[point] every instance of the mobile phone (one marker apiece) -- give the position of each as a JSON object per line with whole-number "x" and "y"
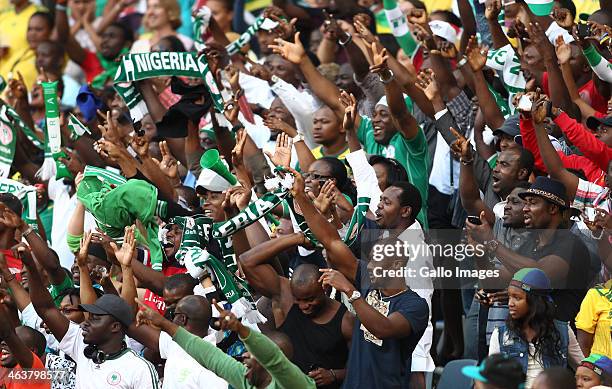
{"x": 583, "y": 30}
{"x": 474, "y": 220}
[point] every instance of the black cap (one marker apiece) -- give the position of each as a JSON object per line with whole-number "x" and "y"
{"x": 594, "y": 122}
{"x": 110, "y": 304}
{"x": 510, "y": 127}
{"x": 499, "y": 370}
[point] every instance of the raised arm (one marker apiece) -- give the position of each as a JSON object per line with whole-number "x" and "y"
{"x": 338, "y": 253}
{"x": 125, "y": 255}
{"x": 477, "y": 58}
{"x": 324, "y": 89}
{"x": 257, "y": 268}
{"x": 492, "y": 11}
{"x": 21, "y": 298}
{"x": 42, "y": 301}
{"x": 73, "y": 48}
{"x": 20, "y": 351}
{"x": 86, "y": 290}
{"x": 549, "y": 155}
{"x": 407, "y": 123}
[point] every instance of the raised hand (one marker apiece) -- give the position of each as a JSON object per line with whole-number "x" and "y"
{"x": 379, "y": 59}
{"x": 108, "y": 149}
{"x": 9, "y": 219}
{"x": 292, "y": 52}
{"x": 539, "y": 109}
{"x": 427, "y": 83}
{"x": 168, "y": 164}
{"x": 109, "y": 128}
{"x": 17, "y": 89}
{"x": 563, "y": 17}
{"x": 72, "y": 161}
{"x": 350, "y": 110}
{"x": 236, "y": 197}
{"x": 448, "y": 49}
{"x": 275, "y": 123}
{"x": 140, "y": 145}
{"x": 227, "y": 320}
{"x": 326, "y": 198}
{"x": 285, "y": 28}
{"x": 492, "y": 9}
{"x": 148, "y": 316}
{"x": 231, "y": 111}
{"x": 363, "y": 31}
{"x": 461, "y": 146}
{"x": 337, "y": 280}
{"x": 259, "y": 71}
{"x": 237, "y": 158}
{"x": 282, "y": 152}
{"x": 233, "y": 75}
{"x": 476, "y": 54}
{"x": 125, "y": 254}
{"x": 417, "y": 16}
{"x": 83, "y": 253}
{"x": 298, "y": 182}
{"x": 538, "y": 38}
{"x": 563, "y": 50}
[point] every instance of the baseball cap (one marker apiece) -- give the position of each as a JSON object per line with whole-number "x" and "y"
{"x": 532, "y": 280}
{"x": 443, "y": 30}
{"x": 113, "y": 305}
{"x": 594, "y": 122}
{"x": 600, "y": 364}
{"x": 499, "y": 370}
{"x": 510, "y": 127}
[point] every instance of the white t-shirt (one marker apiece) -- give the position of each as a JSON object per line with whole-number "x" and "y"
{"x": 182, "y": 371}
{"x": 127, "y": 371}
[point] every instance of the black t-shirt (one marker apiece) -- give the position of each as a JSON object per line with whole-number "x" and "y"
{"x": 385, "y": 364}
{"x": 568, "y": 295}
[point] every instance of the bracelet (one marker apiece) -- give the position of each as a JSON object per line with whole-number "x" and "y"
{"x": 349, "y": 38}
{"x": 388, "y": 79}
{"x": 334, "y": 374}
{"x": 237, "y": 127}
{"x": 468, "y": 162}
{"x": 27, "y": 231}
{"x": 60, "y": 7}
{"x": 462, "y": 61}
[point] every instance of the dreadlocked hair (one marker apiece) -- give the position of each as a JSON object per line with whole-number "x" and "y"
{"x": 540, "y": 318}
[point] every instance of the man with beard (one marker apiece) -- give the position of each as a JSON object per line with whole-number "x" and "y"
{"x": 320, "y": 328}
{"x": 97, "y": 345}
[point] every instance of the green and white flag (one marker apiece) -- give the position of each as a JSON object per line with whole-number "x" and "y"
{"x": 15, "y": 188}
{"x": 77, "y": 129}
{"x": 53, "y": 136}
{"x": 399, "y": 27}
{"x": 8, "y": 140}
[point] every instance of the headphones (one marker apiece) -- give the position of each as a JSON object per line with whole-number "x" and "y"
{"x": 98, "y": 356}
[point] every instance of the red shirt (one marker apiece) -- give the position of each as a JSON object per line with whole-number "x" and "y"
{"x": 17, "y": 378}
{"x": 91, "y": 65}
{"x": 588, "y": 92}
{"x": 153, "y": 300}
{"x": 592, "y": 172}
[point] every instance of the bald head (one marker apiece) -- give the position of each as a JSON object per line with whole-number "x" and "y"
{"x": 305, "y": 275}
{"x": 197, "y": 308}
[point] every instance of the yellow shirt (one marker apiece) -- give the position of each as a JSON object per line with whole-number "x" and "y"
{"x": 595, "y": 318}
{"x": 318, "y": 153}
{"x": 14, "y": 28}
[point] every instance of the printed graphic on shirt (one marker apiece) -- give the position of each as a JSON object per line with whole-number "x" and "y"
{"x": 373, "y": 299}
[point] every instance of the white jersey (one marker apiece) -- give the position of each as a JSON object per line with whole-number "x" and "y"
{"x": 126, "y": 371}
{"x": 182, "y": 371}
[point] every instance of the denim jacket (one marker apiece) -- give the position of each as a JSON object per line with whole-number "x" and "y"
{"x": 511, "y": 344}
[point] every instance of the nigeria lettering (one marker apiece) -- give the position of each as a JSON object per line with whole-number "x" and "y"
{"x": 162, "y": 61}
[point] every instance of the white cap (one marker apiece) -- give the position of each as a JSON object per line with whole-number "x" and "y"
{"x": 444, "y": 30}
{"x": 212, "y": 181}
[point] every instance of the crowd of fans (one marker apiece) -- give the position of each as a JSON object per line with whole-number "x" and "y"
{"x": 305, "y": 193}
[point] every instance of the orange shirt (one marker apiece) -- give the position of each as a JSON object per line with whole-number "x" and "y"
{"x": 17, "y": 378}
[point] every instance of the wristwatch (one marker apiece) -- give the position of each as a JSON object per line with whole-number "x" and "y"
{"x": 491, "y": 245}
{"x": 354, "y": 296}
{"x": 386, "y": 76}
{"x": 298, "y": 138}
{"x": 347, "y": 38}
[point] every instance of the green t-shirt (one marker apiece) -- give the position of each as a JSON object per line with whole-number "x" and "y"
{"x": 413, "y": 154}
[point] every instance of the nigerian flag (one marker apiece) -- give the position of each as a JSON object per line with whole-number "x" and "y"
{"x": 399, "y": 27}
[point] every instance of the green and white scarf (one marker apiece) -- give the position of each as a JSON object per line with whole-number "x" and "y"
{"x": 8, "y": 141}
{"x": 16, "y": 121}
{"x": 27, "y": 195}
{"x": 135, "y": 67}
{"x": 53, "y": 136}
